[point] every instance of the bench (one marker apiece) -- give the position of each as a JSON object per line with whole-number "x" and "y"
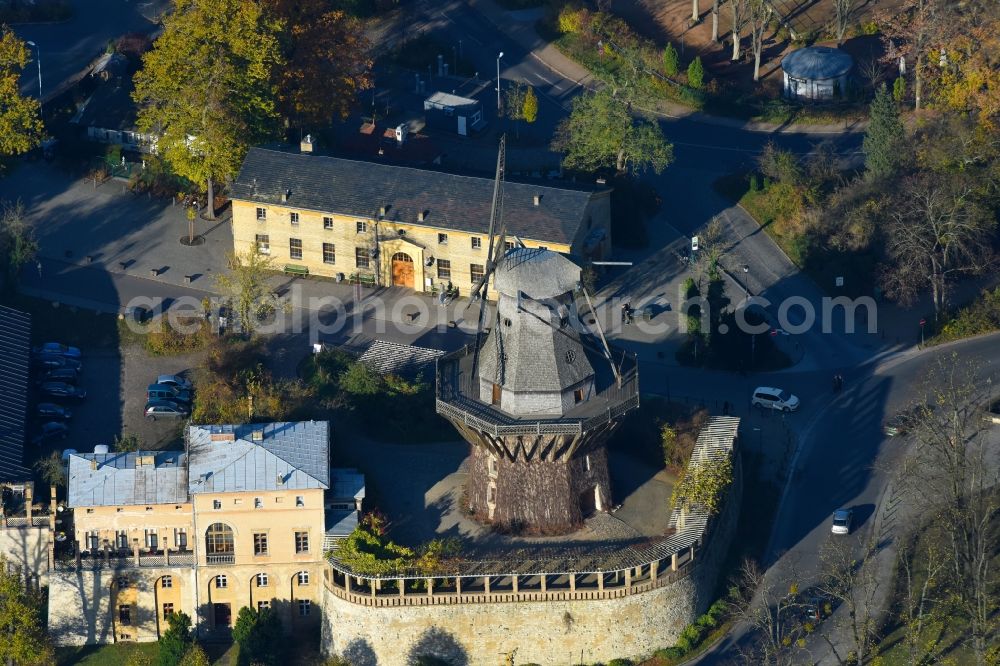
{"x": 362, "y": 278}
{"x": 294, "y": 269}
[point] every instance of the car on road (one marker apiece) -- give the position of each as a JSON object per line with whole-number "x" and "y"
{"x": 767, "y": 397}
{"x": 167, "y": 392}
{"x": 51, "y": 411}
{"x": 57, "y": 348}
{"x": 842, "y": 521}
{"x": 166, "y": 409}
{"x": 53, "y": 361}
{"x": 62, "y": 390}
{"x": 68, "y": 375}
{"x": 50, "y": 431}
{"x": 176, "y": 381}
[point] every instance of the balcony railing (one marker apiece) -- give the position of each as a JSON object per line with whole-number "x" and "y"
{"x": 220, "y": 559}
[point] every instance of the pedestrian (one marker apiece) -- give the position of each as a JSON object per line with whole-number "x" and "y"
{"x": 39, "y": 267}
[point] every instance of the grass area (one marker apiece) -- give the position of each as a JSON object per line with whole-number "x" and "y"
{"x": 118, "y": 654}
{"x": 977, "y": 318}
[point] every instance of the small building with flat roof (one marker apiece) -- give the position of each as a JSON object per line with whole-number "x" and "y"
{"x": 454, "y": 113}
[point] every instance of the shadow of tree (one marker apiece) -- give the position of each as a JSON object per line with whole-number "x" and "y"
{"x": 359, "y": 652}
{"x": 437, "y": 647}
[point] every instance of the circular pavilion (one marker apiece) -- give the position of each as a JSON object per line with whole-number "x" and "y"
{"x": 816, "y": 73}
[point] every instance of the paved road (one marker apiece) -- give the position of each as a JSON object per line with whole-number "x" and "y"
{"x": 68, "y": 47}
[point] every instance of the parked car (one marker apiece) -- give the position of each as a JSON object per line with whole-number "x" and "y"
{"x": 176, "y": 381}
{"x": 58, "y": 349}
{"x": 68, "y": 375}
{"x": 50, "y": 431}
{"x": 52, "y": 361}
{"x": 51, "y": 411}
{"x": 167, "y": 392}
{"x": 62, "y": 390}
{"x": 772, "y": 398}
{"x": 842, "y": 521}
{"x": 166, "y": 409}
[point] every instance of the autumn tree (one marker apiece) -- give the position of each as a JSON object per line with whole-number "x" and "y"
{"x": 758, "y": 17}
{"x": 740, "y": 15}
{"x": 22, "y": 635}
{"x": 327, "y": 61}
{"x": 20, "y": 117}
{"x": 601, "y": 131}
{"x": 529, "y": 110}
{"x": 914, "y": 32}
{"x": 206, "y": 89}
{"x": 850, "y": 577}
{"x": 883, "y": 144}
{"x": 843, "y": 14}
{"x": 245, "y": 287}
{"x": 704, "y": 484}
{"x": 514, "y": 104}
{"x": 938, "y": 230}
{"x": 17, "y": 239}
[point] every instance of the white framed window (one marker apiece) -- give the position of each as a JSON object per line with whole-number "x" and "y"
{"x": 167, "y": 582}
{"x": 295, "y": 248}
{"x": 300, "y": 500}
{"x": 263, "y": 605}
{"x": 476, "y": 271}
{"x": 327, "y": 223}
{"x": 221, "y": 582}
{"x": 329, "y": 253}
{"x": 180, "y": 538}
{"x": 442, "y": 239}
{"x": 216, "y": 504}
{"x": 444, "y": 269}
{"x": 262, "y": 580}
{"x": 258, "y": 503}
{"x": 305, "y": 607}
{"x": 303, "y": 577}
{"x": 361, "y": 227}
{"x": 263, "y": 242}
{"x": 302, "y": 542}
{"x": 261, "y": 214}
{"x": 293, "y": 218}
{"x": 477, "y": 243}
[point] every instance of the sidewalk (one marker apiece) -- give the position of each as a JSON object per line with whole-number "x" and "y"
{"x": 520, "y": 27}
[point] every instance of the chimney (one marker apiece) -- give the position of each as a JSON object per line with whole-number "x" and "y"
{"x": 93, "y": 463}
{"x": 257, "y": 436}
{"x": 285, "y": 195}
{"x": 421, "y": 216}
{"x": 306, "y": 146}
{"x": 538, "y": 199}
{"x": 381, "y": 211}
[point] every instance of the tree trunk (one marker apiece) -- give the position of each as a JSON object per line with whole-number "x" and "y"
{"x": 736, "y": 45}
{"x": 191, "y": 230}
{"x": 715, "y": 20}
{"x": 622, "y": 161}
{"x": 695, "y": 11}
{"x": 756, "y": 63}
{"x": 918, "y": 86}
{"x": 210, "y": 204}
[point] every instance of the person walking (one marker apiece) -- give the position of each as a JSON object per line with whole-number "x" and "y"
{"x": 39, "y": 267}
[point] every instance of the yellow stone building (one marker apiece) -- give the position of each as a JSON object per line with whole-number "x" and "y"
{"x": 390, "y": 225}
{"x": 237, "y": 519}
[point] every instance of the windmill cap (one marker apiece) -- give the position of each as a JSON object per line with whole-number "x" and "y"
{"x": 537, "y": 273}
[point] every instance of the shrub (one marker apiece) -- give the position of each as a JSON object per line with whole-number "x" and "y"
{"x": 166, "y": 340}
{"x": 572, "y": 19}
{"x": 869, "y": 28}
{"x": 981, "y": 316}
{"x": 621, "y": 662}
{"x": 899, "y": 89}
{"x": 696, "y": 74}
{"x": 669, "y": 653}
{"x": 689, "y": 638}
{"x": 671, "y": 60}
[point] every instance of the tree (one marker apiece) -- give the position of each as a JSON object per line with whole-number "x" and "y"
{"x": 20, "y": 117}
{"x": 704, "y": 484}
{"x": 715, "y": 20}
{"x": 912, "y": 32}
{"x": 852, "y": 581}
{"x": 195, "y": 656}
{"x": 937, "y": 230}
{"x": 899, "y": 90}
{"x": 245, "y": 287}
{"x": 529, "y": 111}
{"x": 601, "y": 131}
{"x": 771, "y": 614}
{"x": 52, "y": 469}
{"x": 953, "y": 479}
{"x": 696, "y": 74}
{"x": 17, "y": 239}
{"x": 206, "y": 88}
{"x": 259, "y": 635}
{"x": 514, "y": 97}
{"x": 327, "y": 61}
{"x": 695, "y": 11}
{"x": 671, "y": 60}
{"x": 758, "y": 17}
{"x": 884, "y": 137}
{"x": 843, "y": 14}
{"x": 22, "y": 636}
{"x": 740, "y": 10}
{"x": 176, "y": 641}
{"x": 127, "y": 443}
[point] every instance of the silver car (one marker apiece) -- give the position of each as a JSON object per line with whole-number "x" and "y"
{"x": 842, "y": 521}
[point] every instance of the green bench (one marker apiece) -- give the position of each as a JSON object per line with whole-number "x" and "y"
{"x": 294, "y": 269}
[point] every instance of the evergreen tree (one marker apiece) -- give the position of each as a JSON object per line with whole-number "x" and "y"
{"x": 696, "y": 74}
{"x": 899, "y": 89}
{"x": 259, "y": 636}
{"x": 176, "y": 640}
{"x": 883, "y": 143}
{"x": 671, "y": 60}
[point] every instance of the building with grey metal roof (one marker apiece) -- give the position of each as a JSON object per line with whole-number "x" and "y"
{"x": 15, "y": 348}
{"x": 123, "y": 479}
{"x": 259, "y": 456}
{"x": 816, "y": 72}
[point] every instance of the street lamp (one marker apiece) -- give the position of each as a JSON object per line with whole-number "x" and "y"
{"x": 38, "y": 57}
{"x": 746, "y": 282}
{"x": 498, "y": 82}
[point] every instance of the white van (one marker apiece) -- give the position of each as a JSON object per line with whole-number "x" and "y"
{"x": 772, "y": 398}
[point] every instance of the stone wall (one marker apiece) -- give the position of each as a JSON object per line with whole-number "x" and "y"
{"x": 27, "y": 547}
{"x": 83, "y": 604}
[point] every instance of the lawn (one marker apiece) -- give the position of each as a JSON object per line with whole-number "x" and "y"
{"x": 108, "y": 655}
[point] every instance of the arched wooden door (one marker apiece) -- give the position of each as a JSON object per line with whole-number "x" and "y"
{"x": 402, "y": 270}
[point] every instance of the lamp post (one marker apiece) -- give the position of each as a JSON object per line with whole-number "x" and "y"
{"x": 498, "y": 82}
{"x": 38, "y": 58}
